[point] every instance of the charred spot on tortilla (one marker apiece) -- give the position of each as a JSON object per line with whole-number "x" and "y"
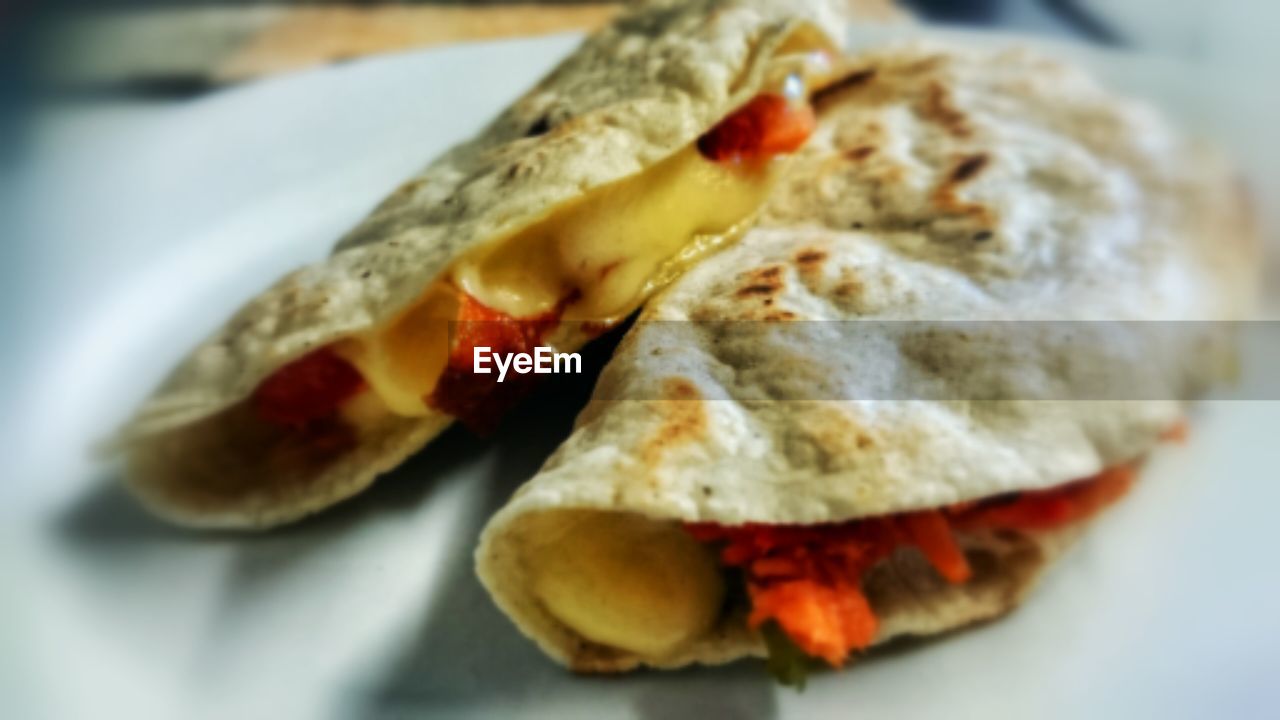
{"x": 969, "y": 168}
{"x": 684, "y": 418}
{"x": 831, "y": 91}
{"x": 810, "y": 257}
{"x": 761, "y": 281}
{"x": 940, "y": 109}
{"x": 860, "y": 153}
{"x": 758, "y": 289}
{"x": 680, "y": 389}
{"x": 516, "y": 170}
{"x": 965, "y": 170}
{"x": 539, "y": 126}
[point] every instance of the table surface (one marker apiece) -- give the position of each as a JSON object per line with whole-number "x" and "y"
{"x": 215, "y": 45}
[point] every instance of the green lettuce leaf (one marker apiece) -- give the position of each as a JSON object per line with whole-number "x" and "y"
{"x": 787, "y": 663}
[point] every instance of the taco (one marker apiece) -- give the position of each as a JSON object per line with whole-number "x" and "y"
{"x": 820, "y": 439}
{"x": 651, "y": 146}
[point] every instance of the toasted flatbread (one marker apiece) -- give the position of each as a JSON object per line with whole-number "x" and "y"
{"x": 600, "y": 150}
{"x": 810, "y": 376}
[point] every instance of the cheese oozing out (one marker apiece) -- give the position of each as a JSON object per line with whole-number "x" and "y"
{"x": 607, "y": 251}
{"x": 625, "y": 581}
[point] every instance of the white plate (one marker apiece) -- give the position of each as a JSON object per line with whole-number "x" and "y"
{"x": 156, "y": 222}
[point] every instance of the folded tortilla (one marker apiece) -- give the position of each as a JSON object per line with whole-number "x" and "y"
{"x": 942, "y": 184}
{"x": 560, "y": 218}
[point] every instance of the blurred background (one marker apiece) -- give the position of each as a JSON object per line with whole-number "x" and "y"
{"x": 180, "y": 47}
{"x": 113, "y": 196}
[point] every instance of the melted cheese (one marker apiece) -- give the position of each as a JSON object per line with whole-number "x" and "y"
{"x": 402, "y": 360}
{"x": 611, "y": 247}
{"x": 626, "y": 581}
{"x": 609, "y": 251}
{"x": 610, "y": 243}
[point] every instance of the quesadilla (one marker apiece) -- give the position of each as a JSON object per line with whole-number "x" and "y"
{"x": 651, "y": 146}
{"x": 795, "y": 452}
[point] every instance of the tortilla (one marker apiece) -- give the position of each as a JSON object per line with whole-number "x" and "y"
{"x": 627, "y": 104}
{"x": 943, "y": 183}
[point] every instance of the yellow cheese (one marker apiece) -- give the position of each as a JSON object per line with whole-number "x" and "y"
{"x": 365, "y": 410}
{"x": 628, "y": 582}
{"x": 610, "y": 243}
{"x": 613, "y": 248}
{"x": 402, "y": 360}
{"x": 610, "y": 246}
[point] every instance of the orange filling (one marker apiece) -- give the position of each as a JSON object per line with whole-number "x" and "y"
{"x": 768, "y": 125}
{"x": 808, "y": 579}
{"x": 476, "y": 400}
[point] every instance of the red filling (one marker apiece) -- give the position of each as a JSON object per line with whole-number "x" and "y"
{"x": 768, "y": 125}
{"x": 477, "y": 400}
{"x": 310, "y": 388}
{"x": 808, "y": 579}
